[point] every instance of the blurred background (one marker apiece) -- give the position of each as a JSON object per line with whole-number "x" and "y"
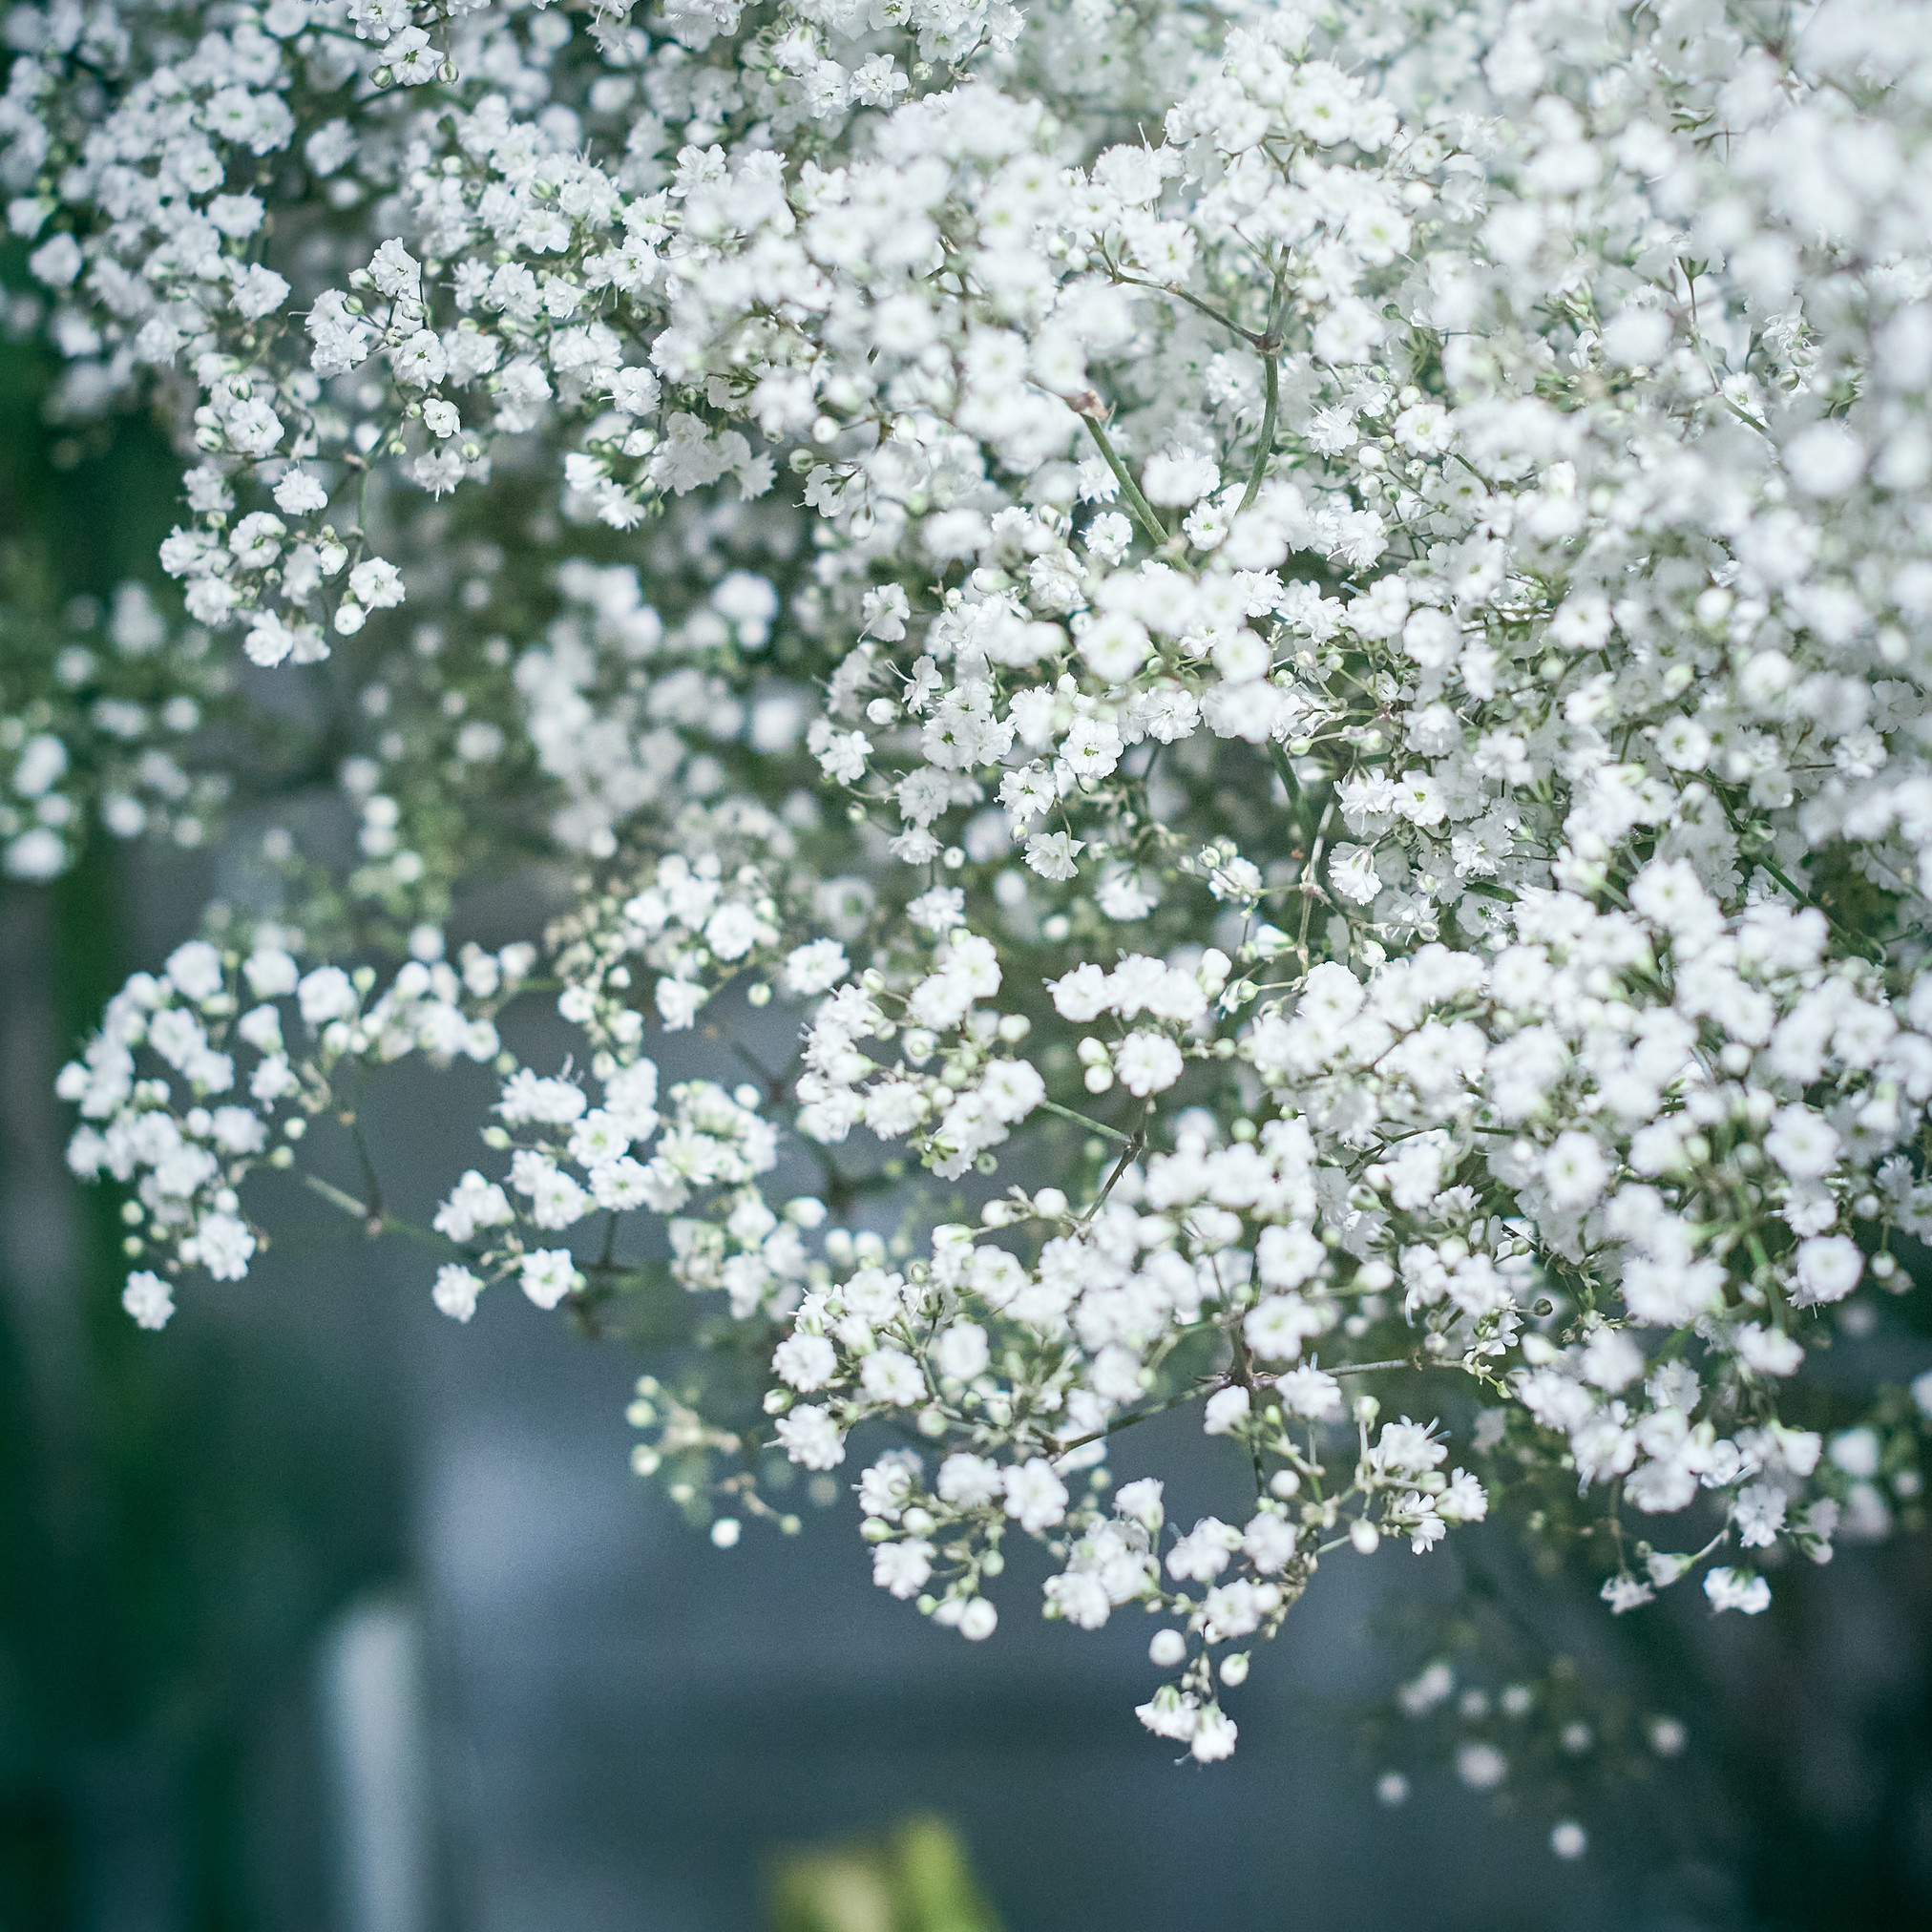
{"x": 319, "y": 1613}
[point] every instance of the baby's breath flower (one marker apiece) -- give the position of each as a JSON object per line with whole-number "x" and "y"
{"x": 1281, "y": 712}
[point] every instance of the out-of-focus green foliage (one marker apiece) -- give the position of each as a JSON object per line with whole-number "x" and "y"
{"x": 177, "y": 1524}
{"x": 919, "y": 1879}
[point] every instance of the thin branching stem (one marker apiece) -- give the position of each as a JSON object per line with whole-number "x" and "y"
{"x": 1143, "y": 511}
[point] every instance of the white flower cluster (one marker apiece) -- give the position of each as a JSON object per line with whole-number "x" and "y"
{"x": 1542, "y": 1725}
{"x": 1352, "y": 699}
{"x": 184, "y": 1139}
{"x": 100, "y": 718}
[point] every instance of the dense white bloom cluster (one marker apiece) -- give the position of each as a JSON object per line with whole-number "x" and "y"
{"x": 1345, "y": 711}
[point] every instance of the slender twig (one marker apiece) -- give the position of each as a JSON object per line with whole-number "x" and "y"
{"x": 1082, "y": 1121}
{"x": 1143, "y": 511}
{"x": 335, "y": 1196}
{"x": 1206, "y": 308}
{"x": 380, "y": 1223}
{"x": 1269, "y": 345}
{"x": 372, "y": 1188}
{"x": 1265, "y": 448}
{"x": 1128, "y": 1422}
{"x": 1128, "y": 1155}
{"x": 1311, "y": 881}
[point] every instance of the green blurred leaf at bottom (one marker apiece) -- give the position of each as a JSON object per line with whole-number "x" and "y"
{"x": 920, "y": 1880}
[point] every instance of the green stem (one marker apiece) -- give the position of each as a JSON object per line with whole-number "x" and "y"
{"x": 1265, "y": 448}
{"x": 1082, "y": 1121}
{"x": 1208, "y": 310}
{"x": 372, "y": 1188}
{"x": 1856, "y": 940}
{"x": 1128, "y": 1422}
{"x": 378, "y": 1223}
{"x": 1298, "y": 798}
{"x": 1121, "y": 1167}
{"x": 1143, "y": 511}
{"x": 335, "y": 1196}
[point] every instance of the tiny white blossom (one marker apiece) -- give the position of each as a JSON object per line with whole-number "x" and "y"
{"x": 147, "y": 1299}
{"x": 547, "y": 1276}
